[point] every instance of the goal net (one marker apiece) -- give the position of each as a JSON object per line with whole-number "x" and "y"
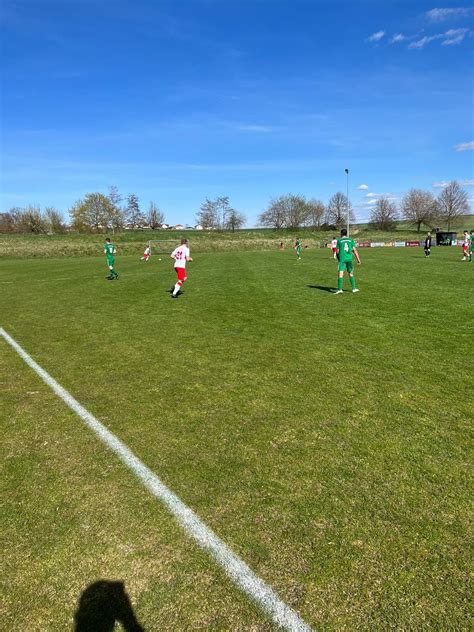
{"x": 162, "y": 246}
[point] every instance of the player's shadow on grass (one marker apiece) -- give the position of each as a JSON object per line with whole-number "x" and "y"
{"x": 103, "y": 604}
{"x": 323, "y": 288}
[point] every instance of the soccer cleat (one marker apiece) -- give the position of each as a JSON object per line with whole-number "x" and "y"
{"x": 338, "y": 292}
{"x": 354, "y": 290}
{"x": 174, "y": 295}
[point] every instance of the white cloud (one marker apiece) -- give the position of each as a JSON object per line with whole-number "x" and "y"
{"x": 376, "y": 37}
{"x": 438, "y": 15}
{"x": 372, "y": 202}
{"x": 372, "y": 195}
{"x": 362, "y": 187}
{"x": 467, "y": 183}
{"x": 450, "y": 37}
{"x": 454, "y": 36}
{"x": 465, "y": 146}
{"x": 254, "y": 128}
{"x": 399, "y": 37}
{"x": 421, "y": 43}
{"x": 440, "y": 185}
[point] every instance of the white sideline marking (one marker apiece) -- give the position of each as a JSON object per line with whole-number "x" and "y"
{"x": 238, "y": 571}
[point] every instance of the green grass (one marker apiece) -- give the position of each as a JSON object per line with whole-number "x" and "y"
{"x": 325, "y": 438}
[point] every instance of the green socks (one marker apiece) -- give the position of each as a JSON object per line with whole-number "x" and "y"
{"x": 339, "y": 283}
{"x": 353, "y": 282}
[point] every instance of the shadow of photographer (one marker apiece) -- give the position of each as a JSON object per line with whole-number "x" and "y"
{"x": 103, "y": 604}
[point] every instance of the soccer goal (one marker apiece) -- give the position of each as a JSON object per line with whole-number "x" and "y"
{"x": 162, "y": 246}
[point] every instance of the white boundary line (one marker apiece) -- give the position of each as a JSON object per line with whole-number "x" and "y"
{"x": 238, "y": 571}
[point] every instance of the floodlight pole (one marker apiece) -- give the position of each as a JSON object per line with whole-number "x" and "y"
{"x": 346, "y": 171}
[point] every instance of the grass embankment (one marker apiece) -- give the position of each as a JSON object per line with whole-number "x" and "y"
{"x": 132, "y": 242}
{"x": 326, "y": 438}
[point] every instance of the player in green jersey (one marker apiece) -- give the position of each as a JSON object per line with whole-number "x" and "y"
{"x": 471, "y": 245}
{"x": 298, "y": 248}
{"x": 344, "y": 249}
{"x": 109, "y": 251}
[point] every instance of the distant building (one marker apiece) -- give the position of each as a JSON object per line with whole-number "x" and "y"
{"x": 198, "y": 227}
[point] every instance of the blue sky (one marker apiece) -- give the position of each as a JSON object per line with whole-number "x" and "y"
{"x": 177, "y": 101}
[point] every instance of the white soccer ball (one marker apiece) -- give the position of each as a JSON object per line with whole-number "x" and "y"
{"x": 159, "y": 259}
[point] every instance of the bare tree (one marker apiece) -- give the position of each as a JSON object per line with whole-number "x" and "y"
{"x": 154, "y": 217}
{"x": 223, "y": 210}
{"x": 235, "y": 220}
{"x": 419, "y": 207}
{"x": 207, "y": 215}
{"x": 215, "y": 213}
{"x": 32, "y": 220}
{"x": 452, "y": 202}
{"x": 54, "y": 220}
{"x": 315, "y": 213}
{"x": 384, "y": 214}
{"x": 337, "y": 211}
{"x": 274, "y": 216}
{"x": 9, "y": 221}
{"x": 117, "y": 213}
{"x": 287, "y": 211}
{"x": 133, "y": 212}
{"x": 296, "y": 211}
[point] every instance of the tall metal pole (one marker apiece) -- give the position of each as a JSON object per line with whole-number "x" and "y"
{"x": 346, "y": 171}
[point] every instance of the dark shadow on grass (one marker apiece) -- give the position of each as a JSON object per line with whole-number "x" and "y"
{"x": 323, "y": 288}
{"x": 101, "y": 605}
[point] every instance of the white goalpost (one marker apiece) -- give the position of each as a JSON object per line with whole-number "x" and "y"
{"x": 162, "y": 246}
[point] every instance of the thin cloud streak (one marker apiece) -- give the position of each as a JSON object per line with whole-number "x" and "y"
{"x": 465, "y": 146}
{"x": 376, "y": 37}
{"x": 439, "y": 15}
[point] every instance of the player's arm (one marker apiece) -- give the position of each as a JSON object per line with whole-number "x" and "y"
{"x": 354, "y": 250}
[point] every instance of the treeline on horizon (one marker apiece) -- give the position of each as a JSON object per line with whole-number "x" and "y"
{"x": 100, "y": 213}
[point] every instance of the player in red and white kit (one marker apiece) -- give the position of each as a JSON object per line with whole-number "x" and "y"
{"x": 146, "y": 254}
{"x": 334, "y": 247}
{"x": 466, "y": 240}
{"x": 181, "y": 256}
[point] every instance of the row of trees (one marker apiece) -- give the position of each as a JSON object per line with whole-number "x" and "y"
{"x": 97, "y": 212}
{"x": 421, "y": 208}
{"x": 294, "y": 211}
{"x": 417, "y": 207}
{"x": 32, "y": 220}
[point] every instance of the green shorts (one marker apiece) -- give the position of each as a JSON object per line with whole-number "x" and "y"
{"x": 110, "y": 261}
{"x": 345, "y": 265}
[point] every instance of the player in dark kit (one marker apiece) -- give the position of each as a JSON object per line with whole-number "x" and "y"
{"x": 428, "y": 245}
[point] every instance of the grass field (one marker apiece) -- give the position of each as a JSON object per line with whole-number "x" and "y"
{"x": 327, "y": 439}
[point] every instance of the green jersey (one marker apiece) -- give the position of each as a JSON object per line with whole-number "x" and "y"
{"x": 109, "y": 250}
{"x": 471, "y": 244}
{"x": 345, "y": 245}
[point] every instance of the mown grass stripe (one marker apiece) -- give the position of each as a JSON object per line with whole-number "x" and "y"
{"x": 238, "y": 571}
